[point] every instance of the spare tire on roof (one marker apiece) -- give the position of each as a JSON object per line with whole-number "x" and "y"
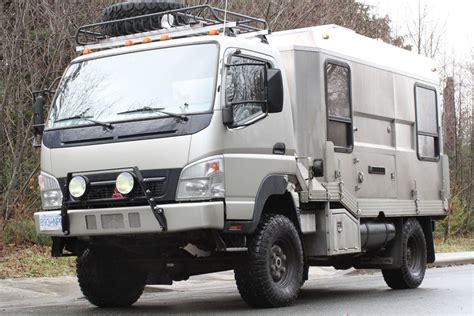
{"x": 136, "y": 8}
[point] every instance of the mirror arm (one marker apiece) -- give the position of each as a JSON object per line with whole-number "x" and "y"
{"x": 42, "y": 93}
{"x": 55, "y": 81}
{"x": 49, "y": 90}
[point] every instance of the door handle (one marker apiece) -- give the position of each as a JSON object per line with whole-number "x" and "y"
{"x": 279, "y": 149}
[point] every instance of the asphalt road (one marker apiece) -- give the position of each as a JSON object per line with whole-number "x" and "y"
{"x": 445, "y": 291}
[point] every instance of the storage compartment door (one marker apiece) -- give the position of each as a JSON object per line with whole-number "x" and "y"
{"x": 344, "y": 232}
{"x": 375, "y": 175}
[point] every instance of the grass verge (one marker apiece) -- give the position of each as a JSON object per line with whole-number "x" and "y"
{"x": 454, "y": 245}
{"x": 32, "y": 261}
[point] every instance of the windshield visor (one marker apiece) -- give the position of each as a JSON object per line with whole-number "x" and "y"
{"x": 178, "y": 80}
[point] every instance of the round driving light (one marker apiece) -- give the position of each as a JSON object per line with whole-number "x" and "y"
{"x": 77, "y": 186}
{"x": 125, "y": 182}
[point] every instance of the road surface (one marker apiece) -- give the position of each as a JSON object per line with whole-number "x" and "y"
{"x": 445, "y": 291}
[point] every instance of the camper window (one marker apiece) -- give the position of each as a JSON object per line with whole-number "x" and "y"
{"x": 338, "y": 102}
{"x": 427, "y": 123}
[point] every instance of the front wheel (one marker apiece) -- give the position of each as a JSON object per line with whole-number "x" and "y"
{"x": 108, "y": 281}
{"x": 271, "y": 273}
{"x": 411, "y": 273}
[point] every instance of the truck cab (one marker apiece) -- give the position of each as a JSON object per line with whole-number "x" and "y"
{"x": 164, "y": 104}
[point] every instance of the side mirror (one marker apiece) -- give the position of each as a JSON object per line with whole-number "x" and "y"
{"x": 38, "y": 117}
{"x": 274, "y": 90}
{"x": 227, "y": 116}
{"x": 318, "y": 168}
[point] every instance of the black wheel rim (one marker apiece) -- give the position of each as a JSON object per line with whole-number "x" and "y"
{"x": 281, "y": 262}
{"x": 414, "y": 260}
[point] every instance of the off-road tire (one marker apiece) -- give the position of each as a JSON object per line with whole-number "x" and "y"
{"x": 411, "y": 273}
{"x": 108, "y": 281}
{"x": 254, "y": 276}
{"x": 131, "y": 9}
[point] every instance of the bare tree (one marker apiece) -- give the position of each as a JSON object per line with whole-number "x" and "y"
{"x": 290, "y": 14}
{"x": 37, "y": 42}
{"x": 426, "y": 31}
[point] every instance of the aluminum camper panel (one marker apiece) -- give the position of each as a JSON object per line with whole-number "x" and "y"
{"x": 372, "y": 92}
{"x": 384, "y": 120}
{"x": 306, "y": 87}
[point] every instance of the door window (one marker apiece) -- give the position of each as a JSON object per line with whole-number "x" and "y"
{"x": 246, "y": 88}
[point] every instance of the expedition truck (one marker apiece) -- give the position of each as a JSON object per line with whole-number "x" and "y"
{"x": 190, "y": 140}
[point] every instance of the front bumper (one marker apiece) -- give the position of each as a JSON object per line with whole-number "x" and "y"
{"x": 138, "y": 219}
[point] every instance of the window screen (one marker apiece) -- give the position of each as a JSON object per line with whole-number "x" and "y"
{"x": 338, "y": 102}
{"x": 427, "y": 123}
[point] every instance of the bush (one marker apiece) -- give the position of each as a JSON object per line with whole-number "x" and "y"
{"x": 462, "y": 222}
{"x": 23, "y": 231}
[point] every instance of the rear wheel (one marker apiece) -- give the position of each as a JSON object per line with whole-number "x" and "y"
{"x": 272, "y": 272}
{"x": 108, "y": 281}
{"x": 411, "y": 273}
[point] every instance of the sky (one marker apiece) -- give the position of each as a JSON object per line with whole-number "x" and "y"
{"x": 456, "y": 15}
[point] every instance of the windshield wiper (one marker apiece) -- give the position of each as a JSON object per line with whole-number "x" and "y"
{"x": 83, "y": 116}
{"x": 159, "y": 110}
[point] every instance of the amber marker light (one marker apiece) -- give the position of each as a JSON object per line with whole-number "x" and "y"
{"x": 147, "y": 40}
{"x": 235, "y": 227}
{"x": 213, "y": 168}
{"x": 128, "y": 43}
{"x": 213, "y": 32}
{"x": 87, "y": 51}
{"x": 164, "y": 37}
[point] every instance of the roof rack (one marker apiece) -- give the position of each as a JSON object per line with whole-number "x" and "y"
{"x": 185, "y": 22}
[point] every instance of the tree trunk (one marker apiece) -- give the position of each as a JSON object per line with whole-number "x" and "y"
{"x": 471, "y": 178}
{"x": 450, "y": 131}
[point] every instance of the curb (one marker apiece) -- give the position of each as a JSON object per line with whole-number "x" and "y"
{"x": 452, "y": 259}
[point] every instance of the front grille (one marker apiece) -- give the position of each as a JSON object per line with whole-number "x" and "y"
{"x": 102, "y": 191}
{"x": 162, "y": 183}
{"x": 105, "y": 190}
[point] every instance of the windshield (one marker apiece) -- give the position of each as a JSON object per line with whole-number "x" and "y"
{"x": 175, "y": 80}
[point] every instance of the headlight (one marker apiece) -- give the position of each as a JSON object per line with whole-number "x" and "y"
{"x": 77, "y": 186}
{"x": 51, "y": 195}
{"x": 202, "y": 180}
{"x": 125, "y": 182}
